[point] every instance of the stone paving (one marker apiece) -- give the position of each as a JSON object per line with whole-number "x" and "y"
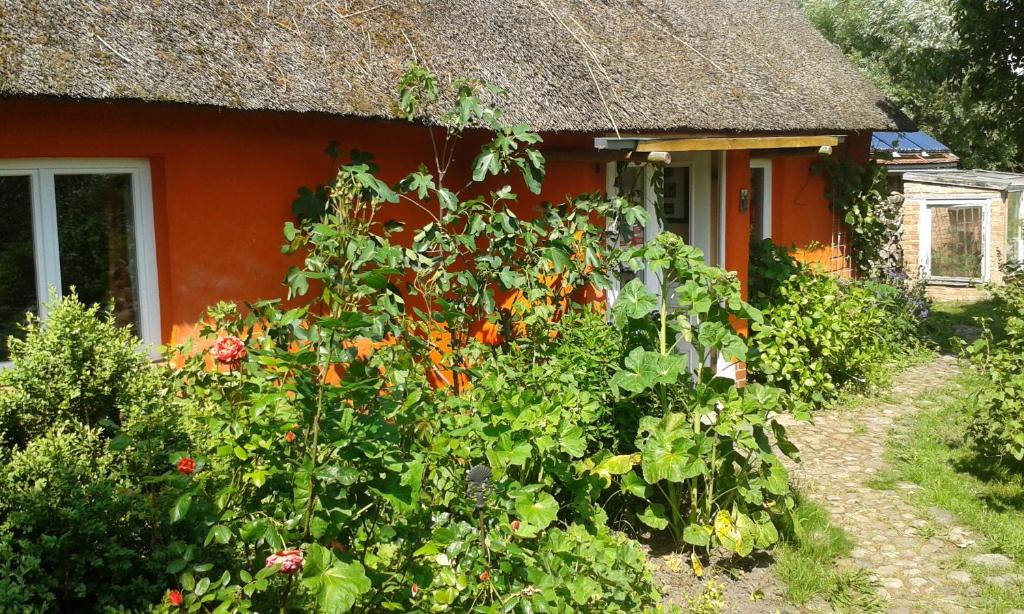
{"x": 911, "y": 554}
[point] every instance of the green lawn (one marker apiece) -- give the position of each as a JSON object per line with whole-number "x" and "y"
{"x": 945, "y": 316}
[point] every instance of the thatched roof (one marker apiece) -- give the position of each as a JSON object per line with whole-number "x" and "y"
{"x": 574, "y": 65}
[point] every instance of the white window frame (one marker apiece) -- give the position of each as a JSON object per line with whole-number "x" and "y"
{"x": 925, "y": 231}
{"x": 41, "y": 172}
{"x": 766, "y": 197}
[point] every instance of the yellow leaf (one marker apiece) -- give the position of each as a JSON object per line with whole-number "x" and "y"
{"x": 698, "y": 569}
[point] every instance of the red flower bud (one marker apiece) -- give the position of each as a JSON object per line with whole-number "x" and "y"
{"x": 515, "y": 525}
{"x": 174, "y": 598}
{"x": 289, "y": 436}
{"x": 187, "y": 466}
{"x": 484, "y": 576}
{"x": 414, "y": 590}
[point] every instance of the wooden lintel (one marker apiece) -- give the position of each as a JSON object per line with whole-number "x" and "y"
{"x": 742, "y": 142}
{"x": 605, "y": 155}
{"x": 787, "y": 152}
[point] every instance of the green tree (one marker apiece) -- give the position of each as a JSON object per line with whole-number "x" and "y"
{"x": 927, "y": 57}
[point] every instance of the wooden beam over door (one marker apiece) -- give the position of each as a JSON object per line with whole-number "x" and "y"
{"x": 742, "y": 142}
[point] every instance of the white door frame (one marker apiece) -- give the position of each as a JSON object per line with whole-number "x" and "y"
{"x": 699, "y": 163}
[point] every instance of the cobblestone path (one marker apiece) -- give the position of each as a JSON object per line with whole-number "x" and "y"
{"x": 911, "y": 554}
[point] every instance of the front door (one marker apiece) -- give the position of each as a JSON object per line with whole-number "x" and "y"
{"x": 681, "y": 192}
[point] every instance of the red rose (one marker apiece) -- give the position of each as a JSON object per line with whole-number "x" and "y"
{"x": 515, "y": 525}
{"x": 228, "y": 350}
{"x": 174, "y": 598}
{"x": 484, "y": 576}
{"x": 290, "y": 561}
{"x": 187, "y": 466}
{"x": 289, "y": 436}
{"x": 414, "y": 590}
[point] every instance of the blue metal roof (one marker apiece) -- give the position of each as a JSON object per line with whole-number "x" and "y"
{"x": 905, "y": 142}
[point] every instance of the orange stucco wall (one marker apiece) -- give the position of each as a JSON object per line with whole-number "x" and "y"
{"x": 801, "y": 217}
{"x": 224, "y": 181}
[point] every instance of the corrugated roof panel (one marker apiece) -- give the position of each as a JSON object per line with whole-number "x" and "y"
{"x": 988, "y": 180}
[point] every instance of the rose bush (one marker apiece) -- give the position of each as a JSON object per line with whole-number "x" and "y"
{"x": 228, "y": 351}
{"x": 364, "y": 450}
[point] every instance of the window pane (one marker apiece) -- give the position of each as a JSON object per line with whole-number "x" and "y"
{"x": 677, "y": 201}
{"x": 17, "y": 263}
{"x": 97, "y": 241}
{"x": 757, "y": 178}
{"x": 957, "y": 242}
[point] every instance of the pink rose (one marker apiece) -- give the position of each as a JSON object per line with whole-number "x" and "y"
{"x": 290, "y": 561}
{"x": 228, "y": 350}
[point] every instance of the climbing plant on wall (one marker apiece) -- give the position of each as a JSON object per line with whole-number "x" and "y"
{"x": 857, "y": 194}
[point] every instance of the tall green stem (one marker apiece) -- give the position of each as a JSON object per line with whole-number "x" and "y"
{"x": 313, "y": 452}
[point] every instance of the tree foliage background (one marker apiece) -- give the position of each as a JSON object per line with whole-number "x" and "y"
{"x": 955, "y": 66}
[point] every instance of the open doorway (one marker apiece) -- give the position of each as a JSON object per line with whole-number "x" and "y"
{"x": 678, "y": 198}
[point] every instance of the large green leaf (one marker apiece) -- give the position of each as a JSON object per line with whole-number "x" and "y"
{"x": 698, "y": 535}
{"x": 634, "y": 301}
{"x": 777, "y": 480}
{"x": 635, "y": 485}
{"x": 570, "y": 439}
{"x": 644, "y": 369}
{"x": 654, "y": 517}
{"x": 670, "y": 456}
{"x": 336, "y": 584}
{"x": 181, "y": 506}
{"x": 539, "y": 510}
{"x": 487, "y": 161}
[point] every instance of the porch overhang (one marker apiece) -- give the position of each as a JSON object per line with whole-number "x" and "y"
{"x": 672, "y": 144}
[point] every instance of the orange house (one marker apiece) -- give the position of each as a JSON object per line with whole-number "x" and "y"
{"x": 150, "y": 150}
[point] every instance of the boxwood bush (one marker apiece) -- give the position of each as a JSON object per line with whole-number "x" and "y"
{"x": 81, "y": 528}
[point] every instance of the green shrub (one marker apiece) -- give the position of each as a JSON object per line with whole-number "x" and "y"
{"x": 770, "y": 266}
{"x": 997, "y": 421}
{"x": 706, "y": 469}
{"x": 78, "y": 366}
{"x": 80, "y": 528}
{"x": 821, "y": 333}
